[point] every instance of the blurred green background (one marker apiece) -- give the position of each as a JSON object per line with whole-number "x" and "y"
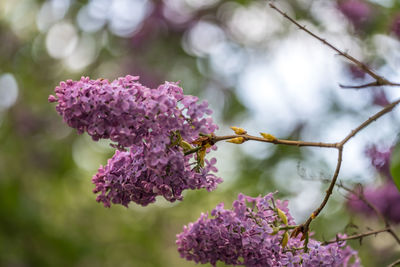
{"x": 218, "y": 49}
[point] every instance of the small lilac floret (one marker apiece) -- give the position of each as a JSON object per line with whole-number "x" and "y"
{"x": 242, "y": 236}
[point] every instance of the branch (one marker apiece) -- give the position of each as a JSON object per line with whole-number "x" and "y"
{"x": 304, "y": 228}
{"x": 362, "y": 197}
{"x": 191, "y": 151}
{"x": 373, "y": 118}
{"x": 357, "y": 236}
{"x": 366, "y": 85}
{"x": 276, "y": 141}
{"x": 395, "y": 236}
{"x": 394, "y": 263}
{"x": 379, "y": 80}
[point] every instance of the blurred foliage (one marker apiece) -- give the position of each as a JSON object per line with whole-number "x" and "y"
{"x": 49, "y": 216}
{"x": 395, "y": 165}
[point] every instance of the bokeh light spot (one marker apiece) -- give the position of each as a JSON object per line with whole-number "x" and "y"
{"x": 61, "y": 40}
{"x": 83, "y": 55}
{"x": 89, "y": 22}
{"x": 51, "y": 12}
{"x": 8, "y": 91}
{"x": 126, "y": 16}
{"x": 203, "y": 38}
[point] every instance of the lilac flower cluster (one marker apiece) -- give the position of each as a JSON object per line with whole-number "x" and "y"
{"x": 129, "y": 113}
{"x": 150, "y": 123}
{"x": 357, "y": 11}
{"x": 380, "y": 160}
{"x": 396, "y": 25}
{"x": 248, "y": 235}
{"x": 379, "y": 98}
{"x": 139, "y": 177}
{"x": 386, "y": 198}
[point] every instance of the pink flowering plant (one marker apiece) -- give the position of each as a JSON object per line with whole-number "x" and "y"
{"x": 162, "y": 139}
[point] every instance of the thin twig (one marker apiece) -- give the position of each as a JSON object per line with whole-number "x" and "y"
{"x": 379, "y": 80}
{"x": 394, "y": 263}
{"x": 362, "y": 86}
{"x": 305, "y": 227}
{"x": 357, "y": 236}
{"x": 395, "y": 236}
{"x": 362, "y": 197}
{"x": 373, "y": 118}
{"x": 191, "y": 151}
{"x": 274, "y": 141}
{"x": 289, "y": 227}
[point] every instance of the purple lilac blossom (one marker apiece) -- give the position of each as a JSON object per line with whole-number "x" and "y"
{"x": 386, "y": 198}
{"x": 145, "y": 122}
{"x": 380, "y": 98}
{"x": 357, "y": 11}
{"x": 380, "y": 159}
{"x": 139, "y": 176}
{"x": 396, "y": 25}
{"x": 243, "y": 236}
{"x": 355, "y": 72}
{"x": 129, "y": 113}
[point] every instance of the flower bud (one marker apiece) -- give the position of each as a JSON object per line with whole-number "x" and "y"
{"x": 201, "y": 154}
{"x": 282, "y": 216}
{"x": 185, "y": 145}
{"x": 238, "y": 130}
{"x": 268, "y": 137}
{"x": 237, "y": 140}
{"x": 275, "y": 230}
{"x": 285, "y": 239}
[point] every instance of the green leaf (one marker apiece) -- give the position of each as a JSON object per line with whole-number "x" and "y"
{"x": 395, "y": 165}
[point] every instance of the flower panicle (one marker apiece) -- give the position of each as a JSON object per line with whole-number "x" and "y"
{"x": 152, "y": 130}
